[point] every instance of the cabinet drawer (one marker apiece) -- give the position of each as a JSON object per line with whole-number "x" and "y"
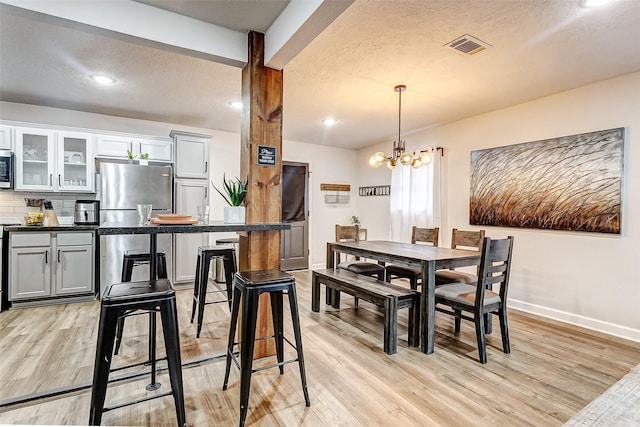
{"x": 77, "y": 238}
{"x": 30, "y": 239}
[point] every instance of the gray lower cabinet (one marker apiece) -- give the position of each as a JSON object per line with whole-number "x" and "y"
{"x": 50, "y": 264}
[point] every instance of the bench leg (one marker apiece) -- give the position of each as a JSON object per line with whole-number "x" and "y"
{"x": 335, "y": 298}
{"x": 390, "y": 325}
{"x": 414, "y": 322}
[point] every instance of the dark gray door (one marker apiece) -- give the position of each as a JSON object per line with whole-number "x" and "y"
{"x": 294, "y": 249}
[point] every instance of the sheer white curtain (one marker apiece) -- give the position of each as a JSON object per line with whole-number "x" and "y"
{"x": 416, "y": 198}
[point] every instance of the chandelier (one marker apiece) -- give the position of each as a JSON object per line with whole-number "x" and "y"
{"x": 399, "y": 155}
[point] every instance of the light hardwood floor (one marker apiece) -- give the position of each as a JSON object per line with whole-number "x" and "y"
{"x": 553, "y": 371}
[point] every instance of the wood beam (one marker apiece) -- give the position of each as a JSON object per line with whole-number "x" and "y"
{"x": 261, "y": 163}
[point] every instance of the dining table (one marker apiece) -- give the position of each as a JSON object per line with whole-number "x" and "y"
{"x": 428, "y": 258}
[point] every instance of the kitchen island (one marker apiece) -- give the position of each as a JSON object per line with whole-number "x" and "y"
{"x": 44, "y": 294}
{"x": 116, "y": 228}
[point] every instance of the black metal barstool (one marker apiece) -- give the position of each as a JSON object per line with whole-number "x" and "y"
{"x": 233, "y": 242}
{"x": 201, "y": 283}
{"x": 122, "y": 298}
{"x": 247, "y": 288}
{"x": 130, "y": 259}
{"x": 135, "y": 257}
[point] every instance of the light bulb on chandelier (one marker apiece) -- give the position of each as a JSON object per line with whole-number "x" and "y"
{"x": 399, "y": 155}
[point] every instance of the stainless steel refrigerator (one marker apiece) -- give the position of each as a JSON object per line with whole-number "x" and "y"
{"x": 121, "y": 187}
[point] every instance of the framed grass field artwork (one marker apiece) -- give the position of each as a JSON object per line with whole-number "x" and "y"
{"x": 567, "y": 183}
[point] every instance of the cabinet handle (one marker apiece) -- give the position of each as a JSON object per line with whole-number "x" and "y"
{"x": 59, "y": 180}
{"x": 206, "y": 167}
{"x": 206, "y": 193}
{"x": 50, "y": 180}
{"x": 46, "y": 257}
{"x": 59, "y": 255}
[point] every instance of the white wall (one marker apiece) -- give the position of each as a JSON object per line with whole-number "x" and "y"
{"x": 588, "y": 279}
{"x": 374, "y": 210}
{"x": 328, "y": 165}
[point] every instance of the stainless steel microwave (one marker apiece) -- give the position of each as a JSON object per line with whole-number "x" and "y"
{"x": 6, "y": 169}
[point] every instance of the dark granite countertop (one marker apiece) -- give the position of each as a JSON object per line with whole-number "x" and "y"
{"x": 211, "y": 227}
{"x": 70, "y": 227}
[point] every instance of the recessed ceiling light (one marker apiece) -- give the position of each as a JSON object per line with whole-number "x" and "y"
{"x": 595, "y": 3}
{"x": 329, "y": 122}
{"x": 102, "y": 79}
{"x": 236, "y": 105}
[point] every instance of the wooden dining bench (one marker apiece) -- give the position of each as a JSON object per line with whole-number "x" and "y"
{"x": 390, "y": 297}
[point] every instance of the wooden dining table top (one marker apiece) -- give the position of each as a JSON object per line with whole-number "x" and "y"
{"x": 407, "y": 253}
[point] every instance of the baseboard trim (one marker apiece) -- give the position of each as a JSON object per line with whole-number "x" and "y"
{"x": 577, "y": 320}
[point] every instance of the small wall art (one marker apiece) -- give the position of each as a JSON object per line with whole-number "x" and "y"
{"x": 375, "y": 190}
{"x": 567, "y": 183}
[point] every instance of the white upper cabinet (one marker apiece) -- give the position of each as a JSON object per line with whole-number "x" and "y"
{"x": 192, "y": 155}
{"x": 47, "y": 160}
{"x": 75, "y": 162}
{"x": 35, "y": 159}
{"x": 5, "y": 138}
{"x": 160, "y": 150}
{"x": 117, "y": 146}
{"x": 113, "y": 146}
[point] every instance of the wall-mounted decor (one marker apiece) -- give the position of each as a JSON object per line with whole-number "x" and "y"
{"x": 566, "y": 183}
{"x": 375, "y": 190}
{"x": 337, "y": 197}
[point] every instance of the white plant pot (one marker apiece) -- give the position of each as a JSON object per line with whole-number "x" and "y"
{"x": 234, "y": 214}
{"x": 143, "y": 162}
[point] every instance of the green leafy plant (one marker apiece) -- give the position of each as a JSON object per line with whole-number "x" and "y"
{"x": 355, "y": 220}
{"x": 236, "y": 190}
{"x": 144, "y": 156}
{"x": 130, "y": 155}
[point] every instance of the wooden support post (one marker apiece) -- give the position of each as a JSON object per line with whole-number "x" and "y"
{"x": 261, "y": 162}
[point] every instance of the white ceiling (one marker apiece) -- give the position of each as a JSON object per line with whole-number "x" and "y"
{"x": 347, "y": 72}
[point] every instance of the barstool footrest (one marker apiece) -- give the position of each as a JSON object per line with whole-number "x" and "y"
{"x": 144, "y": 399}
{"x": 133, "y": 365}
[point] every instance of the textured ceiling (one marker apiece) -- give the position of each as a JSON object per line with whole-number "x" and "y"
{"x": 348, "y": 72}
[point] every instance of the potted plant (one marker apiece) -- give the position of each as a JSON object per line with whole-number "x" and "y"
{"x": 130, "y": 156}
{"x": 234, "y": 193}
{"x": 144, "y": 159}
{"x": 355, "y": 220}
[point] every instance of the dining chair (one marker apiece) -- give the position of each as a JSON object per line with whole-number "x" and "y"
{"x": 460, "y": 239}
{"x": 414, "y": 274}
{"x": 480, "y": 299}
{"x": 351, "y": 233}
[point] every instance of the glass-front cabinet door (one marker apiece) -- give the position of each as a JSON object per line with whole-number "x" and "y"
{"x": 74, "y": 162}
{"x": 47, "y": 160}
{"x": 35, "y": 159}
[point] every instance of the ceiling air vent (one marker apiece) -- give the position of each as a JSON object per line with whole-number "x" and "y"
{"x": 468, "y": 45}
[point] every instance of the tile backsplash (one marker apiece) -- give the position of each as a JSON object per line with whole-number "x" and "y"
{"x": 13, "y": 206}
